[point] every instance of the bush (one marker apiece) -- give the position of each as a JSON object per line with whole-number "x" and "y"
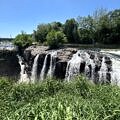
{"x": 56, "y": 38}
{"x": 23, "y": 40}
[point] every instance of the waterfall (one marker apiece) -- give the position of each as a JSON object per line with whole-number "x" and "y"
{"x": 103, "y": 71}
{"x": 82, "y": 62}
{"x": 23, "y": 75}
{"x": 86, "y": 58}
{"x": 34, "y": 69}
{"x": 93, "y": 69}
{"x": 51, "y": 70}
{"x": 115, "y": 73}
{"x": 42, "y": 74}
{"x": 89, "y": 62}
{"x": 90, "y": 72}
{"x": 73, "y": 66}
{"x": 87, "y": 70}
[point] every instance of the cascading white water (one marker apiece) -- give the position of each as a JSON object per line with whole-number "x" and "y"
{"x": 87, "y": 70}
{"x": 115, "y": 52}
{"x": 51, "y": 70}
{"x": 23, "y": 75}
{"x": 42, "y": 74}
{"x": 81, "y": 62}
{"x": 34, "y": 69}
{"x": 115, "y": 73}
{"x": 93, "y": 69}
{"x": 73, "y": 66}
{"x": 88, "y": 62}
{"x": 103, "y": 71}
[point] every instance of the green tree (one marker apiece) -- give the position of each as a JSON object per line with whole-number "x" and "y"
{"x": 86, "y": 29}
{"x": 98, "y": 14}
{"x": 71, "y": 30}
{"x": 23, "y": 40}
{"x": 41, "y": 32}
{"x": 102, "y": 26}
{"x": 115, "y": 26}
{"x": 55, "y": 38}
{"x": 57, "y": 26}
{"x": 103, "y": 30}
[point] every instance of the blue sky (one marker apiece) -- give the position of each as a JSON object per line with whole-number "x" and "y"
{"x": 18, "y": 15}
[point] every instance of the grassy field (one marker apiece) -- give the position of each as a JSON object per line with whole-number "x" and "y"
{"x": 56, "y": 100}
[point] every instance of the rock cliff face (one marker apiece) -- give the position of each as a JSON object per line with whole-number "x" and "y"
{"x": 63, "y": 56}
{"x": 39, "y": 62}
{"x": 69, "y": 62}
{"x": 9, "y": 65}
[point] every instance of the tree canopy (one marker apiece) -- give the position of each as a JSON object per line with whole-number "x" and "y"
{"x": 55, "y": 38}
{"x": 23, "y": 40}
{"x": 101, "y": 27}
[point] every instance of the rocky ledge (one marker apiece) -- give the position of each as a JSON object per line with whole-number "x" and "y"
{"x": 9, "y": 63}
{"x": 63, "y": 56}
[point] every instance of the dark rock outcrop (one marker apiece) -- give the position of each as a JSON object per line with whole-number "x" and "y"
{"x": 9, "y": 64}
{"x": 63, "y": 56}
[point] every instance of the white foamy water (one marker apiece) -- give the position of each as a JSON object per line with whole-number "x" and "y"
{"x": 73, "y": 66}
{"x": 81, "y": 62}
{"x": 116, "y": 52}
{"x": 34, "y": 69}
{"x": 42, "y": 74}
{"x": 103, "y": 71}
{"x": 7, "y": 46}
{"x": 115, "y": 74}
{"x": 51, "y": 67}
{"x": 89, "y": 62}
{"x": 23, "y": 75}
{"x": 51, "y": 70}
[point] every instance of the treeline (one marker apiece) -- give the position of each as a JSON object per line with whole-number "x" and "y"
{"x": 102, "y": 27}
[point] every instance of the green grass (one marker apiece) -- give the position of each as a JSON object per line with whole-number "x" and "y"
{"x": 56, "y": 100}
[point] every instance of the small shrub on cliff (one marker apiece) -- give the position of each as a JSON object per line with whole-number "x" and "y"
{"x": 23, "y": 40}
{"x": 55, "y": 38}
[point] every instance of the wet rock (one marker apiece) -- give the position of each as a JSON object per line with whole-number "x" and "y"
{"x": 9, "y": 64}
{"x": 63, "y": 56}
{"x": 60, "y": 69}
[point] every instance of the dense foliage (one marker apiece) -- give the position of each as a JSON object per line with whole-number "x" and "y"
{"x": 23, "y": 40}
{"x": 55, "y": 38}
{"x": 70, "y": 29}
{"x": 56, "y": 100}
{"x": 102, "y": 27}
{"x": 41, "y": 33}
